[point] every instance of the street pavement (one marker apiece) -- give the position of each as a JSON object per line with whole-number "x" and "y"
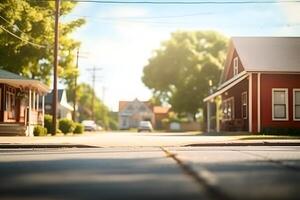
{"x": 231, "y": 172}
{"x": 133, "y": 139}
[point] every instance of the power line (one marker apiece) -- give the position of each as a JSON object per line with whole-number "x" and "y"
{"x": 150, "y": 17}
{"x": 93, "y": 70}
{"x": 17, "y": 28}
{"x": 24, "y": 40}
{"x": 12, "y": 25}
{"x": 141, "y": 21}
{"x": 182, "y": 2}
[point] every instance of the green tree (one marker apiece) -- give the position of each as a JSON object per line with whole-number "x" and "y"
{"x": 33, "y": 21}
{"x": 85, "y": 110}
{"x": 180, "y": 70}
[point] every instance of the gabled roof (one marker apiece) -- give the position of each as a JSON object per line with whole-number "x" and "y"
{"x": 268, "y": 54}
{"x": 124, "y": 104}
{"x": 160, "y": 110}
{"x": 49, "y": 97}
{"x": 260, "y": 54}
{"x": 62, "y": 99}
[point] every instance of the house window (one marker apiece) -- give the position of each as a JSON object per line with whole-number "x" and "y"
{"x": 280, "y": 104}
{"x": 235, "y": 66}
{"x": 296, "y": 100}
{"x": 228, "y": 109}
{"x": 142, "y": 109}
{"x": 244, "y": 105}
{"x": 130, "y": 108}
{"x": 10, "y": 103}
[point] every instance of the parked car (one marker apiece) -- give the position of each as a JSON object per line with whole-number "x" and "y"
{"x": 145, "y": 126}
{"x": 89, "y": 125}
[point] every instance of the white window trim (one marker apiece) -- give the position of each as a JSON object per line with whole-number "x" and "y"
{"x": 229, "y": 99}
{"x": 294, "y": 103}
{"x": 246, "y": 104}
{"x": 235, "y": 66}
{"x": 286, "y": 107}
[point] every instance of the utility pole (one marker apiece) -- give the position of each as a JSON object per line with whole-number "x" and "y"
{"x": 94, "y": 70}
{"x": 75, "y": 90}
{"x": 54, "y": 100}
{"x": 78, "y": 55}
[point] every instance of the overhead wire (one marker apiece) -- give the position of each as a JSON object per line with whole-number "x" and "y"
{"x": 16, "y": 36}
{"x": 180, "y": 2}
{"x": 139, "y": 20}
{"x": 24, "y": 40}
{"x": 150, "y": 17}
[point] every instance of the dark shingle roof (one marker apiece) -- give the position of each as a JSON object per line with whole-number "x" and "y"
{"x": 9, "y": 75}
{"x": 48, "y": 98}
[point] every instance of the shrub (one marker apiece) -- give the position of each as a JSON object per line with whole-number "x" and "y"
{"x": 280, "y": 131}
{"x": 113, "y": 125}
{"x": 48, "y": 123}
{"x": 66, "y": 125}
{"x": 39, "y": 131}
{"x": 78, "y": 128}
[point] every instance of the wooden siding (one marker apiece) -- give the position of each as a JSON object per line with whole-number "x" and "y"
{"x": 269, "y": 81}
{"x": 238, "y": 123}
{"x": 254, "y": 103}
{"x": 229, "y": 71}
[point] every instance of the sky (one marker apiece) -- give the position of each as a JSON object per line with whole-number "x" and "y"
{"x": 120, "y": 38}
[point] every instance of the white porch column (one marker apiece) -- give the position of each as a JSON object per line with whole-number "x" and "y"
{"x": 258, "y": 103}
{"x": 29, "y": 113}
{"x": 43, "y": 109}
{"x": 33, "y": 100}
{"x": 218, "y": 104}
{"x": 208, "y": 116}
{"x": 250, "y": 102}
{"x": 37, "y": 101}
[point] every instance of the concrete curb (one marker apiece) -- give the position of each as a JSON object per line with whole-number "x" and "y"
{"x": 37, "y": 146}
{"x": 206, "y": 144}
{"x": 262, "y": 143}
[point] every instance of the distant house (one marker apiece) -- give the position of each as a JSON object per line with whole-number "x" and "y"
{"x": 20, "y": 110}
{"x": 132, "y": 112}
{"x": 260, "y": 86}
{"x": 160, "y": 113}
{"x": 64, "y": 109}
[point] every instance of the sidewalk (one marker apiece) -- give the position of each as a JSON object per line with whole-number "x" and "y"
{"x": 115, "y": 139}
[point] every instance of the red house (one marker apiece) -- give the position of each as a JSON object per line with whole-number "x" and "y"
{"x": 259, "y": 87}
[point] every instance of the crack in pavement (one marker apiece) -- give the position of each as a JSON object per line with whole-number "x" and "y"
{"x": 268, "y": 159}
{"x": 211, "y": 189}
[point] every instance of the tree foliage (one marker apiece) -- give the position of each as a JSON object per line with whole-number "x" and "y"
{"x": 34, "y": 21}
{"x": 180, "y": 70}
{"x": 85, "y": 110}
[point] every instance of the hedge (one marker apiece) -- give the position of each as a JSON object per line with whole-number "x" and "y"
{"x": 66, "y": 125}
{"x": 48, "y": 123}
{"x": 39, "y": 131}
{"x": 78, "y": 128}
{"x": 280, "y": 131}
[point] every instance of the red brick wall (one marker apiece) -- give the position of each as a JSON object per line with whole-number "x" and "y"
{"x": 269, "y": 81}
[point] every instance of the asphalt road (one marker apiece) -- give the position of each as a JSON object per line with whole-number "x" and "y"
{"x": 133, "y": 139}
{"x": 151, "y": 173}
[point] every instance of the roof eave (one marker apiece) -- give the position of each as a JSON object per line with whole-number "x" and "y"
{"x": 226, "y": 87}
